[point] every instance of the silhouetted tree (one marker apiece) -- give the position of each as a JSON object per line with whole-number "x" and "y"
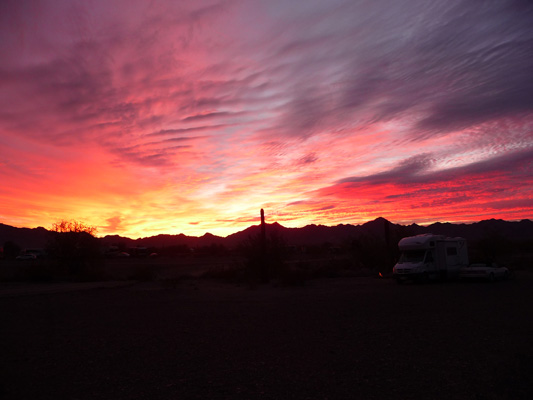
{"x": 73, "y": 226}
{"x": 74, "y": 245}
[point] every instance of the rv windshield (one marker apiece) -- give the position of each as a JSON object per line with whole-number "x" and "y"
{"x": 412, "y": 256}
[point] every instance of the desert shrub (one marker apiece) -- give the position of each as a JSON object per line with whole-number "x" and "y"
{"x": 75, "y": 250}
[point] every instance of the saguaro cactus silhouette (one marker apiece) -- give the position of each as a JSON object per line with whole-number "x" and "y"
{"x": 263, "y": 228}
{"x": 264, "y": 254}
{"x": 264, "y": 263}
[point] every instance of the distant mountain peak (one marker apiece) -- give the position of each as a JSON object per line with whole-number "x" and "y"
{"x": 378, "y": 220}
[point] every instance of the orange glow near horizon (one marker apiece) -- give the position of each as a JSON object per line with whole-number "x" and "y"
{"x": 321, "y": 115}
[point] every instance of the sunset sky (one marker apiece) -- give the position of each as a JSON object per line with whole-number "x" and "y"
{"x": 148, "y": 117}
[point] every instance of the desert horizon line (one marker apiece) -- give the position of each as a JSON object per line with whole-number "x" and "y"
{"x": 274, "y": 222}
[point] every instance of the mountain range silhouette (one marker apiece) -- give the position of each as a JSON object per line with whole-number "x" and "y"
{"x": 307, "y": 235}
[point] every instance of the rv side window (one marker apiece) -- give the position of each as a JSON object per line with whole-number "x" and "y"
{"x": 412, "y": 256}
{"x": 451, "y": 251}
{"x": 429, "y": 257}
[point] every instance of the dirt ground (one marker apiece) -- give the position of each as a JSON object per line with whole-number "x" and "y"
{"x": 342, "y": 338}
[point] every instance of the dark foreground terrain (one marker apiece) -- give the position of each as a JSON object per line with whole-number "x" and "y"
{"x": 351, "y": 338}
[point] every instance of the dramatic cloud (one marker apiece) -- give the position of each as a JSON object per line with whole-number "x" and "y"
{"x": 168, "y": 117}
{"x": 417, "y": 170}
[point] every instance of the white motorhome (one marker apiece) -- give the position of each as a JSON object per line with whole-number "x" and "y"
{"x": 430, "y": 256}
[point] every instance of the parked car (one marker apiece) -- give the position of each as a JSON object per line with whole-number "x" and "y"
{"x": 487, "y": 271}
